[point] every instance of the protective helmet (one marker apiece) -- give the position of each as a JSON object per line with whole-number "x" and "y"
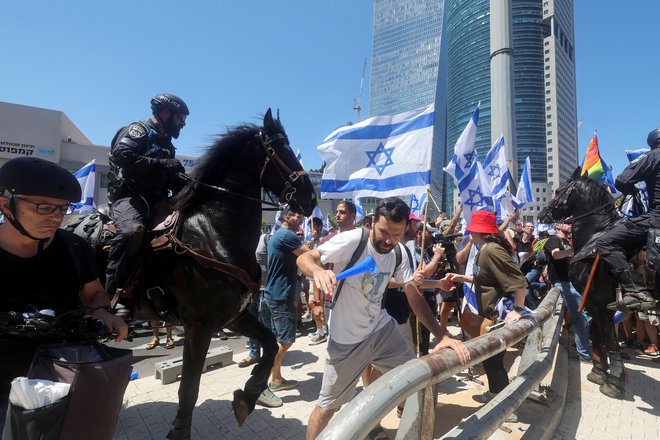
{"x": 654, "y": 138}
{"x": 170, "y": 102}
{"x": 31, "y": 176}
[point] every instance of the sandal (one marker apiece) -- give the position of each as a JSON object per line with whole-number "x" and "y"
{"x": 169, "y": 344}
{"x": 153, "y": 344}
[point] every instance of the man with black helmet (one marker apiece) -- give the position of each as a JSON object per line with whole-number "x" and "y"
{"x": 40, "y": 264}
{"x": 631, "y": 235}
{"x": 143, "y": 170}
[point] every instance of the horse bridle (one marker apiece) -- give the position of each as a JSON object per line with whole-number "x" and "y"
{"x": 562, "y": 200}
{"x": 288, "y": 176}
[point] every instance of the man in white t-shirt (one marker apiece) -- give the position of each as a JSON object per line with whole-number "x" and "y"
{"x": 361, "y": 331}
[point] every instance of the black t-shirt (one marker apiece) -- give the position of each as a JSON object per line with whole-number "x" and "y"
{"x": 48, "y": 280}
{"x": 557, "y": 269}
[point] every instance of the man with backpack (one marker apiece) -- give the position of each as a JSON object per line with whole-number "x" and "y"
{"x": 361, "y": 331}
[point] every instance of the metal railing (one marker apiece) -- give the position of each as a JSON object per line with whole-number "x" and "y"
{"x": 415, "y": 382}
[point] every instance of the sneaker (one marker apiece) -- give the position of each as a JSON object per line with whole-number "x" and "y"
{"x": 639, "y": 350}
{"x": 285, "y": 385}
{"x": 318, "y": 338}
{"x": 652, "y": 350}
{"x": 268, "y": 399}
{"x": 513, "y": 418}
{"x": 484, "y": 397}
{"x": 306, "y": 315}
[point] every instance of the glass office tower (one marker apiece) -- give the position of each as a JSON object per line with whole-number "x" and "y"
{"x": 468, "y": 42}
{"x": 407, "y": 68}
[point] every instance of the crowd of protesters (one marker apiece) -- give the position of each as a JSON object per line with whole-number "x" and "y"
{"x": 536, "y": 259}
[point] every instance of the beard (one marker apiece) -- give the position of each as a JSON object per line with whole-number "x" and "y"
{"x": 381, "y": 247}
{"x": 171, "y": 128}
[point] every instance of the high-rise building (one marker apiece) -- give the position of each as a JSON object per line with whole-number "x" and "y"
{"x": 408, "y": 69}
{"x": 560, "y": 102}
{"x": 544, "y": 86}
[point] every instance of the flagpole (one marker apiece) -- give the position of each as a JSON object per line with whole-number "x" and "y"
{"x": 434, "y": 202}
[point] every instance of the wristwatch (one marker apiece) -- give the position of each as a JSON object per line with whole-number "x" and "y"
{"x": 518, "y": 309}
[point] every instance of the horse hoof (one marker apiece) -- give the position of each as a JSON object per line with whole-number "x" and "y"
{"x": 241, "y": 406}
{"x": 612, "y": 391}
{"x": 597, "y": 377}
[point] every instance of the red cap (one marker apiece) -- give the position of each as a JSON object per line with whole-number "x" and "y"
{"x": 483, "y": 222}
{"x": 412, "y": 216}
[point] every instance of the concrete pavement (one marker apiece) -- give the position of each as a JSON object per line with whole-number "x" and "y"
{"x": 150, "y": 407}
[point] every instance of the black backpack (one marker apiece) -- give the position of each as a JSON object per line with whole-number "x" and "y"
{"x": 358, "y": 251}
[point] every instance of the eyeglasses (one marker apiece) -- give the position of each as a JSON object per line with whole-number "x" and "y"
{"x": 47, "y": 208}
{"x": 182, "y": 117}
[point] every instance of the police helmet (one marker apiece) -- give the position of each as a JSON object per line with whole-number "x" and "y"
{"x": 31, "y": 176}
{"x": 170, "y": 102}
{"x": 654, "y": 138}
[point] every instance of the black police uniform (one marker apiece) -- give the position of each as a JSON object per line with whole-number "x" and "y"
{"x": 142, "y": 172}
{"x": 631, "y": 235}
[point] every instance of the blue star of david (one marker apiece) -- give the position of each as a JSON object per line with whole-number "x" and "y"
{"x": 475, "y": 194}
{"x": 469, "y": 157}
{"x": 495, "y": 171}
{"x": 414, "y": 203}
{"x": 375, "y": 155}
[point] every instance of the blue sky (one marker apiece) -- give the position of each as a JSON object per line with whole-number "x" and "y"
{"x": 101, "y": 62}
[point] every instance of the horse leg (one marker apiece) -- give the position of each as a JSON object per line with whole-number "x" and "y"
{"x": 598, "y": 373}
{"x": 244, "y": 401}
{"x": 614, "y": 386}
{"x": 198, "y": 338}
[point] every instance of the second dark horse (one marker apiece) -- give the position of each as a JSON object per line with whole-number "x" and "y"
{"x": 590, "y": 208}
{"x": 220, "y": 218}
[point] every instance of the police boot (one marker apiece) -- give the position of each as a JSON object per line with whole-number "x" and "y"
{"x": 635, "y": 296}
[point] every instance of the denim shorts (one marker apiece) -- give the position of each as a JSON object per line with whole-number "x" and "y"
{"x": 279, "y": 316}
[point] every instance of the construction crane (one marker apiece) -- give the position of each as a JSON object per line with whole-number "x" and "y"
{"x": 356, "y": 102}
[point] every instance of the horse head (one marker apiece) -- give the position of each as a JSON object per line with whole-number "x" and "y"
{"x": 564, "y": 204}
{"x": 282, "y": 173}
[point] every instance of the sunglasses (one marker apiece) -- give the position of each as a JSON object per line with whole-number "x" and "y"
{"x": 47, "y": 208}
{"x": 181, "y": 116}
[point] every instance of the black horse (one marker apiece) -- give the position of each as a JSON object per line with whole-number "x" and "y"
{"x": 208, "y": 277}
{"x": 589, "y": 207}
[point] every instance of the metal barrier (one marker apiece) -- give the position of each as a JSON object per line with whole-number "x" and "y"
{"x": 415, "y": 382}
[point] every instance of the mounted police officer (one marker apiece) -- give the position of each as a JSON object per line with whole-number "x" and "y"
{"x": 616, "y": 244}
{"x": 143, "y": 172}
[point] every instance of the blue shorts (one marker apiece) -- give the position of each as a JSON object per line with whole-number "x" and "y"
{"x": 279, "y": 316}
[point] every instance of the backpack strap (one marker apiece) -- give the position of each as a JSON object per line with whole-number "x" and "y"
{"x": 398, "y": 258}
{"x": 358, "y": 251}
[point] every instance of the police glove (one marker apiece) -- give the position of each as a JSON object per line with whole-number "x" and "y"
{"x": 174, "y": 165}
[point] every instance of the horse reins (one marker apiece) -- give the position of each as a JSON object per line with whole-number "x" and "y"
{"x": 288, "y": 176}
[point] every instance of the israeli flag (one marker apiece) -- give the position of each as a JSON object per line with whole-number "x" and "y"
{"x": 326, "y": 224}
{"x": 359, "y": 210}
{"x": 469, "y": 296}
{"x": 475, "y": 192}
{"x": 317, "y": 212}
{"x": 505, "y": 305}
{"x": 496, "y": 169}
{"x": 299, "y": 157}
{"x": 87, "y": 179}
{"x": 379, "y": 157}
{"x": 524, "y": 194}
{"x": 503, "y": 207}
{"x": 416, "y": 204}
{"x": 629, "y": 209}
{"x": 464, "y": 155}
{"x": 307, "y": 228}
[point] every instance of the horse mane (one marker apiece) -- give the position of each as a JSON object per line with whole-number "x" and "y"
{"x": 212, "y": 166}
{"x": 596, "y": 194}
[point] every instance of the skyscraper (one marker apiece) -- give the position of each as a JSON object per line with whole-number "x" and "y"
{"x": 408, "y": 69}
{"x": 560, "y": 103}
{"x": 541, "y": 101}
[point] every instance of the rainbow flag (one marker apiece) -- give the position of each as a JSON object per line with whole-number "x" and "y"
{"x": 593, "y": 164}
{"x": 595, "y": 167}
